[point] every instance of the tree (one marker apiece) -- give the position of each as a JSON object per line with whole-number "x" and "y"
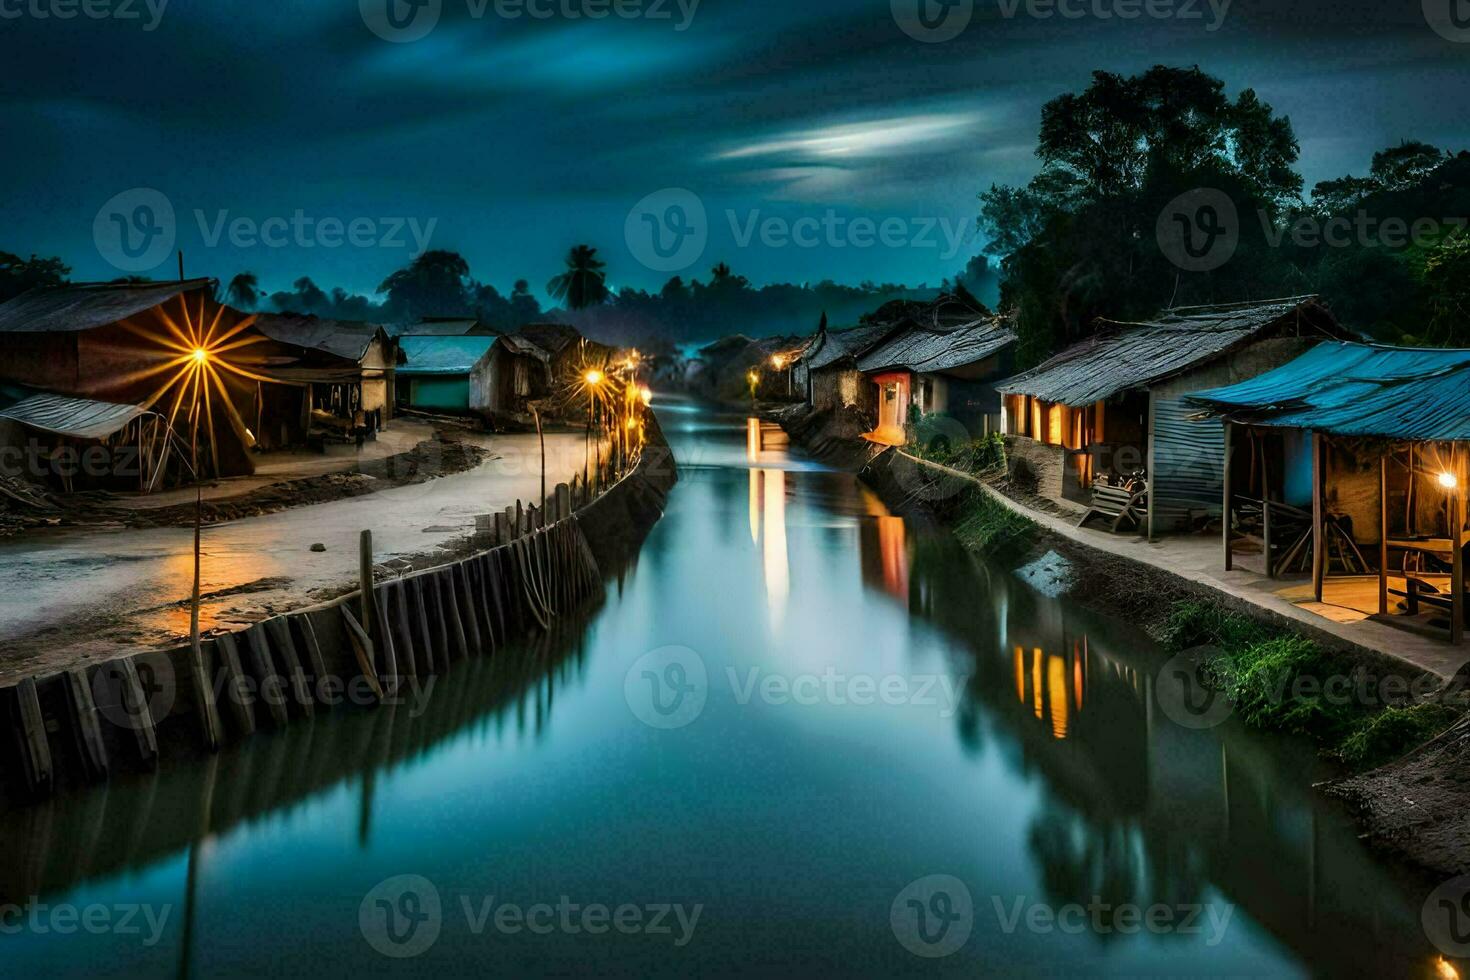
{"x": 437, "y": 283}
{"x": 524, "y": 306}
{"x": 243, "y": 291}
{"x": 1407, "y": 165}
{"x": 1080, "y": 240}
{"x": 1446, "y": 278}
{"x": 584, "y": 283}
{"x": 18, "y": 275}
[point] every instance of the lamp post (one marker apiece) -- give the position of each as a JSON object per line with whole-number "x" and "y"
{"x": 594, "y": 378}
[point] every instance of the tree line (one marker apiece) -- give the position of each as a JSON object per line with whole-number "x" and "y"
{"x": 1388, "y": 251}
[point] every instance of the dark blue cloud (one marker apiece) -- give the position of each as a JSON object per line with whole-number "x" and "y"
{"x": 520, "y": 137}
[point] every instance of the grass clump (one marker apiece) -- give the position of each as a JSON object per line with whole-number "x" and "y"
{"x": 1287, "y": 683}
{"x": 1393, "y": 732}
{"x": 991, "y": 528}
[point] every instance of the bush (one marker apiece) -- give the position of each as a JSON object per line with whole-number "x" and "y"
{"x": 1193, "y": 624}
{"x": 992, "y": 528}
{"x": 1392, "y": 732}
{"x": 1266, "y": 675}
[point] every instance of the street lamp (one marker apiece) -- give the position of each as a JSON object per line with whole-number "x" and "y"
{"x": 594, "y": 378}
{"x": 1449, "y": 481}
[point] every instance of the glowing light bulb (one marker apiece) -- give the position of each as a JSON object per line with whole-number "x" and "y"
{"x": 593, "y": 377}
{"x": 1449, "y": 481}
{"x": 200, "y": 355}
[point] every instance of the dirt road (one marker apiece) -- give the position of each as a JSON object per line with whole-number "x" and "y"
{"x": 71, "y": 596}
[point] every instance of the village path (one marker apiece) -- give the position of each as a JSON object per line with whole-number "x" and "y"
{"x": 74, "y": 596}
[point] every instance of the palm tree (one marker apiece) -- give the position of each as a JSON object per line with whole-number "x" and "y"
{"x": 584, "y": 283}
{"x": 243, "y": 291}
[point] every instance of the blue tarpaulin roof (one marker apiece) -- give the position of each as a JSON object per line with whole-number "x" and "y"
{"x": 442, "y": 355}
{"x": 1358, "y": 390}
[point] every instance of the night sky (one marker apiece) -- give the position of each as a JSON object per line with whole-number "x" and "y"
{"x": 522, "y": 137}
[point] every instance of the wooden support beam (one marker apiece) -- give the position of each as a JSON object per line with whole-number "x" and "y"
{"x": 279, "y": 631}
{"x": 466, "y": 595}
{"x": 458, "y": 644}
{"x": 1383, "y": 535}
{"x": 135, "y": 703}
{"x": 85, "y": 726}
{"x": 272, "y": 687}
{"x": 1227, "y": 503}
{"x": 238, "y": 698}
{"x": 362, "y": 648}
{"x": 315, "y": 656}
{"x": 35, "y": 751}
{"x": 1319, "y": 516}
{"x": 563, "y": 501}
{"x": 424, "y": 638}
{"x": 387, "y": 649}
{"x": 403, "y": 633}
{"x": 365, "y": 580}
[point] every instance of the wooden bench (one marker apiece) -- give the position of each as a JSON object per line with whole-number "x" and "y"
{"x": 1118, "y": 504}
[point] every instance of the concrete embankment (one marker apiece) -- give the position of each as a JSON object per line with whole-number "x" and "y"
{"x": 366, "y": 648}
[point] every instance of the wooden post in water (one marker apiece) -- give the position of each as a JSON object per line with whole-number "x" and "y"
{"x": 365, "y": 578}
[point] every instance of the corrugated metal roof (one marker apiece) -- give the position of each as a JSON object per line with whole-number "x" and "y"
{"x": 79, "y": 418}
{"x": 85, "y": 306}
{"x": 343, "y": 338}
{"x": 1358, "y": 390}
{"x": 936, "y": 349}
{"x": 442, "y": 355}
{"x": 1125, "y": 355}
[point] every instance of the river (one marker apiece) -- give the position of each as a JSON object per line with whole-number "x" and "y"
{"x": 801, "y": 734}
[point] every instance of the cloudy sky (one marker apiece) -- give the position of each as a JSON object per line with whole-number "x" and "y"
{"x": 509, "y": 138}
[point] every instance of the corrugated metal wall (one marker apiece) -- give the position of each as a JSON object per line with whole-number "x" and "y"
{"x": 1189, "y": 462}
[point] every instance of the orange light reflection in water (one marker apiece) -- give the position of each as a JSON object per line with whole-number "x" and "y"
{"x": 893, "y": 551}
{"x": 778, "y": 570}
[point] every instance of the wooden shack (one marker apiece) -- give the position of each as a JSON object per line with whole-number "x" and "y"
{"x": 1111, "y": 412}
{"x": 1353, "y": 462}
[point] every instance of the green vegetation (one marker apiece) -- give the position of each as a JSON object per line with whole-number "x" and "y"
{"x": 1288, "y": 683}
{"x": 1082, "y": 238}
{"x": 991, "y": 528}
{"x": 984, "y": 455}
{"x": 1393, "y": 732}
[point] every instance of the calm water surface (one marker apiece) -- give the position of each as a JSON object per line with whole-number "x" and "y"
{"x": 801, "y": 734}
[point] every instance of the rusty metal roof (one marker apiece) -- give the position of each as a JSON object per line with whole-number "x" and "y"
{"x": 1358, "y": 390}
{"x": 1121, "y": 356}
{"x": 936, "y": 349}
{"x": 85, "y": 306}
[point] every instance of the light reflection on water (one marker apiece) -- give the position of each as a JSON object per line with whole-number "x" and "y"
{"x": 1036, "y": 769}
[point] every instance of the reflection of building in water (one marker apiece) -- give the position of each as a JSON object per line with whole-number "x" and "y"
{"x": 883, "y": 546}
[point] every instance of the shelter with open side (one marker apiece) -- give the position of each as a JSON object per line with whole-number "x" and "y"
{"x": 1111, "y": 413}
{"x": 1348, "y": 451}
